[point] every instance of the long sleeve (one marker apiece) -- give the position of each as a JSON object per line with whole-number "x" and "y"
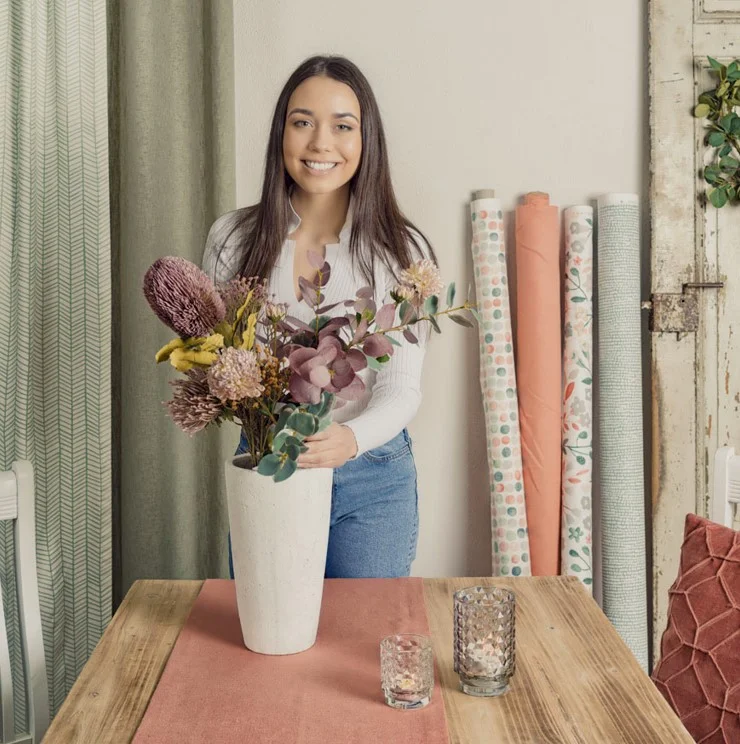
{"x": 396, "y": 395}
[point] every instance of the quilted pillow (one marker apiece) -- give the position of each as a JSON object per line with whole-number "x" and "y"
{"x": 699, "y": 668}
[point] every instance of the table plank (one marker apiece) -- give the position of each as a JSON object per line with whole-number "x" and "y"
{"x": 109, "y": 698}
{"x": 576, "y": 682}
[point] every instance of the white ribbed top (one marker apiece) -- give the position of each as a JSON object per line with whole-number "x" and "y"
{"x": 393, "y": 394}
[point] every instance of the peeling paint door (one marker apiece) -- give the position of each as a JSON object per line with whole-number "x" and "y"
{"x": 695, "y": 261}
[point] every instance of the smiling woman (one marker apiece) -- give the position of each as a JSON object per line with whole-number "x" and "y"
{"x": 328, "y": 190}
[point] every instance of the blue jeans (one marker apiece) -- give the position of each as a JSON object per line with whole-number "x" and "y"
{"x": 374, "y": 513}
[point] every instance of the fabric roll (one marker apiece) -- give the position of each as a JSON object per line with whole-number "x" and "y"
{"x": 619, "y": 410}
{"x": 539, "y": 360}
{"x": 510, "y": 549}
{"x": 576, "y": 550}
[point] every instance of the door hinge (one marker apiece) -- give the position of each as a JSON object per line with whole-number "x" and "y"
{"x": 677, "y": 313}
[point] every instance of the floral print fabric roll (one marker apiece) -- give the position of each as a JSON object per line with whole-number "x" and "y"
{"x": 510, "y": 549}
{"x": 576, "y": 556}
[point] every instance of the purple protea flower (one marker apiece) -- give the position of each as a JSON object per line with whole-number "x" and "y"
{"x": 235, "y": 375}
{"x": 183, "y": 297}
{"x": 192, "y": 406}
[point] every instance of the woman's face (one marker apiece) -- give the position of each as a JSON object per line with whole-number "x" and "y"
{"x": 322, "y": 126}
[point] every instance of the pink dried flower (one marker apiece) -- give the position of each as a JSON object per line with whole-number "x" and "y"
{"x": 421, "y": 280}
{"x": 192, "y": 406}
{"x": 183, "y": 297}
{"x": 235, "y": 291}
{"x": 235, "y": 375}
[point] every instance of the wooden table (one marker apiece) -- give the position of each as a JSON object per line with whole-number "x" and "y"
{"x": 575, "y": 679}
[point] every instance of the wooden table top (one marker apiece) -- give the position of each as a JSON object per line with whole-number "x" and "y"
{"x": 575, "y": 682}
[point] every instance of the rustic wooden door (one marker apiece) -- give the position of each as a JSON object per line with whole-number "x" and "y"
{"x": 695, "y": 261}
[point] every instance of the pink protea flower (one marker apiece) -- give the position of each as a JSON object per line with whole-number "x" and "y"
{"x": 235, "y": 375}
{"x": 192, "y": 406}
{"x": 421, "y": 280}
{"x": 183, "y": 297}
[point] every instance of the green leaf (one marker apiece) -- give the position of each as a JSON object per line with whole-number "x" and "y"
{"x": 578, "y": 298}
{"x": 392, "y": 340}
{"x": 583, "y": 435}
{"x": 450, "y": 294}
{"x": 282, "y": 418}
{"x": 726, "y": 122}
{"x": 725, "y": 150}
{"x": 716, "y": 139}
{"x": 586, "y": 550}
{"x": 460, "y": 320}
{"x": 580, "y": 460}
{"x": 588, "y": 581}
{"x": 574, "y": 271}
{"x": 289, "y": 467}
{"x": 715, "y": 65}
{"x": 701, "y": 111}
{"x": 575, "y": 567}
{"x": 708, "y": 99}
{"x": 728, "y": 163}
{"x": 268, "y": 465}
{"x": 373, "y": 363}
{"x": 293, "y": 451}
{"x": 718, "y": 198}
{"x": 304, "y": 423}
{"x": 280, "y": 440}
{"x": 736, "y": 125}
{"x": 587, "y": 380}
{"x": 431, "y": 305}
{"x": 474, "y": 312}
{"x": 435, "y": 325}
{"x": 324, "y": 423}
{"x": 573, "y": 553}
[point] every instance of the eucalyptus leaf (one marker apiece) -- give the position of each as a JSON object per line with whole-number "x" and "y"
{"x": 268, "y": 465}
{"x": 718, "y": 198}
{"x": 716, "y": 139}
{"x": 460, "y": 320}
{"x": 304, "y": 423}
{"x": 293, "y": 450}
{"x": 289, "y": 467}
{"x": 715, "y": 65}
{"x": 450, "y": 294}
{"x": 431, "y": 305}
{"x": 434, "y": 323}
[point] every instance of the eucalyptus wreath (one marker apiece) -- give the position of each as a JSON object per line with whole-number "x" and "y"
{"x": 718, "y": 107}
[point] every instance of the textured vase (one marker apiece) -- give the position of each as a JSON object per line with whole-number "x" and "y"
{"x": 279, "y": 539}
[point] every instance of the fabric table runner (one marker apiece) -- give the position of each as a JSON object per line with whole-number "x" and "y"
{"x": 215, "y": 690}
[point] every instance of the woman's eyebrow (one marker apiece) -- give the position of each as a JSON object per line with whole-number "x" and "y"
{"x": 310, "y": 113}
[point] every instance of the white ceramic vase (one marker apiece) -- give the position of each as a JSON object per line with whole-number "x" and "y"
{"x": 279, "y": 539}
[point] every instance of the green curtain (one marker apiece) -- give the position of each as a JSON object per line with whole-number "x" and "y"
{"x": 172, "y": 145}
{"x": 55, "y": 319}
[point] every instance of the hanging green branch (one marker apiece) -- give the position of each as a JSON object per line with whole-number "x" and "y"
{"x": 718, "y": 107}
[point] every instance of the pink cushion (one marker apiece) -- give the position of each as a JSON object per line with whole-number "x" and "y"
{"x": 699, "y": 669}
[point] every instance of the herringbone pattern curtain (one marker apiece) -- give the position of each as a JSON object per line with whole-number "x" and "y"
{"x": 55, "y": 317}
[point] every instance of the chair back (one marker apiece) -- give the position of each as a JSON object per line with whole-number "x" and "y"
{"x": 17, "y": 504}
{"x": 726, "y": 486}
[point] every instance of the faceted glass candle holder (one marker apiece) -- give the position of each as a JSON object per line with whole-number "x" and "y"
{"x": 484, "y": 648}
{"x": 407, "y": 670}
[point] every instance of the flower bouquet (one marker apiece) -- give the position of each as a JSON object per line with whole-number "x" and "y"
{"x": 245, "y": 359}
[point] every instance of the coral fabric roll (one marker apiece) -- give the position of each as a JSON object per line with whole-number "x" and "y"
{"x": 538, "y": 365}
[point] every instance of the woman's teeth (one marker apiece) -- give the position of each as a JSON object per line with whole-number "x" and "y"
{"x": 319, "y": 166}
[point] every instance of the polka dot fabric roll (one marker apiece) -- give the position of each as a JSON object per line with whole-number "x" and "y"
{"x": 498, "y": 385}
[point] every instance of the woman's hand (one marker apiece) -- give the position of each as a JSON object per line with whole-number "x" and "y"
{"x": 330, "y": 448}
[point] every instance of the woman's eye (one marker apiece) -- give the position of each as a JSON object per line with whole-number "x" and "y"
{"x": 349, "y": 128}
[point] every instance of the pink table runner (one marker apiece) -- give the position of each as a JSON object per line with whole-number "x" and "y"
{"x": 215, "y": 690}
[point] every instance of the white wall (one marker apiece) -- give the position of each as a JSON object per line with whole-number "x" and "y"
{"x": 514, "y": 96}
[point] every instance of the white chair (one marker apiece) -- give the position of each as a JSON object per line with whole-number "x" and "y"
{"x": 726, "y": 485}
{"x": 17, "y": 503}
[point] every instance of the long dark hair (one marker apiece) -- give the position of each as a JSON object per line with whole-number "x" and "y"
{"x": 377, "y": 221}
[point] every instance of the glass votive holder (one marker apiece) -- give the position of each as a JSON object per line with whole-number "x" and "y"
{"x": 407, "y": 670}
{"x": 484, "y": 646}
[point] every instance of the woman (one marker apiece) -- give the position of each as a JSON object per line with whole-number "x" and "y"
{"x": 327, "y": 189}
